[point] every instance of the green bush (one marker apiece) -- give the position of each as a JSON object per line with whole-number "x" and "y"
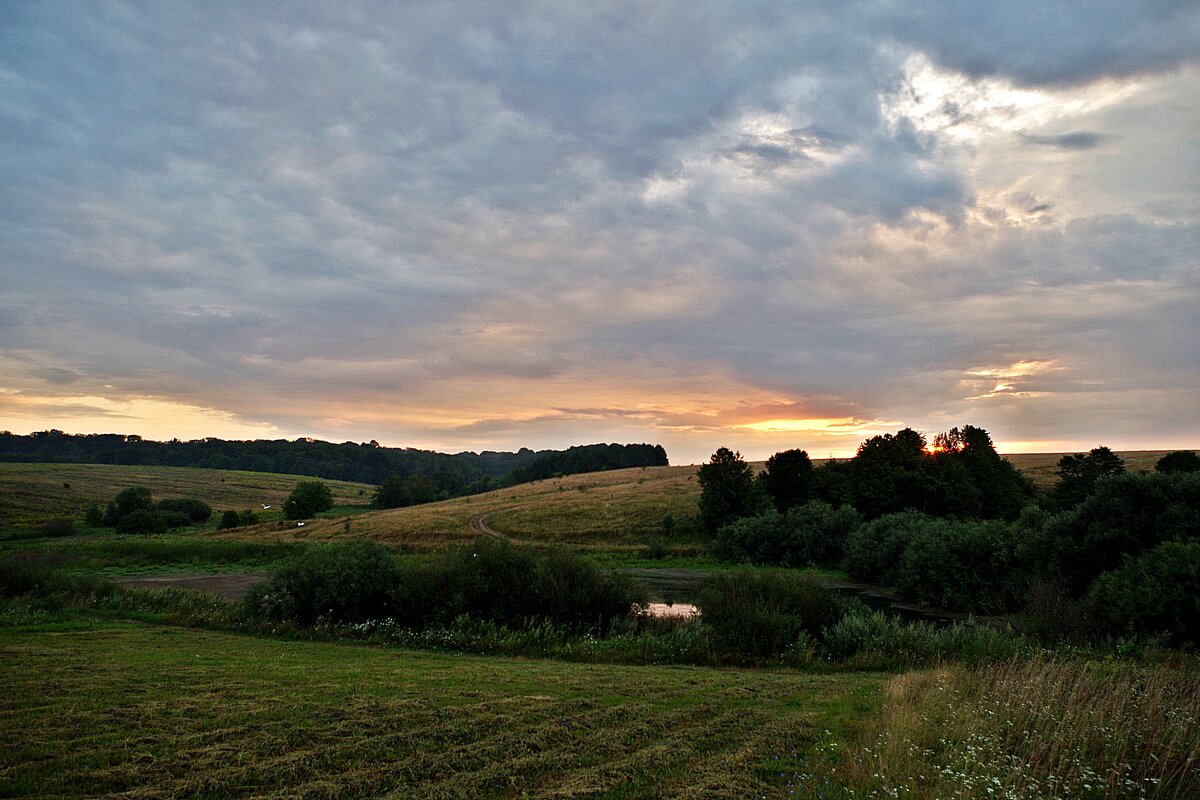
{"x": 871, "y": 636}
{"x": 1125, "y": 515}
{"x": 813, "y": 534}
{"x": 57, "y": 527}
{"x": 968, "y": 566}
{"x": 127, "y": 501}
{"x": 342, "y": 582}
{"x": 229, "y": 519}
{"x": 755, "y": 615}
{"x": 1157, "y": 592}
{"x": 195, "y": 510}
{"x": 142, "y": 521}
{"x": 308, "y": 499}
{"x": 873, "y": 550}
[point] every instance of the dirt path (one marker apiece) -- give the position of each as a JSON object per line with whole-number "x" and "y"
{"x": 233, "y": 585}
{"x": 480, "y": 525}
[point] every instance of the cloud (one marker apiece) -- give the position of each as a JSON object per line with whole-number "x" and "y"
{"x": 442, "y": 224}
{"x": 1078, "y": 140}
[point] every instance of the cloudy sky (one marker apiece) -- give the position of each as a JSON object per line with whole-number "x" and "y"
{"x": 484, "y": 226}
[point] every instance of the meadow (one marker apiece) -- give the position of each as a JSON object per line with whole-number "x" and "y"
{"x": 170, "y": 712}
{"x": 110, "y": 692}
{"x": 33, "y": 493}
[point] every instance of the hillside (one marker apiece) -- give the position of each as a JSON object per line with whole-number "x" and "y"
{"x": 623, "y": 508}
{"x": 31, "y": 493}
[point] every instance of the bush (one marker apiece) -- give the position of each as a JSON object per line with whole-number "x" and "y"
{"x": 495, "y": 581}
{"x": 174, "y": 519}
{"x": 820, "y": 532}
{"x": 873, "y": 636}
{"x": 342, "y": 582}
{"x": 759, "y": 615}
{"x": 195, "y": 510}
{"x": 307, "y": 499}
{"x": 1179, "y": 461}
{"x": 813, "y": 534}
{"x": 873, "y": 550}
{"x": 1156, "y": 593}
{"x": 969, "y": 566}
{"x": 229, "y": 519}
{"x": 126, "y": 502}
{"x": 142, "y": 521}
{"x": 1125, "y": 515}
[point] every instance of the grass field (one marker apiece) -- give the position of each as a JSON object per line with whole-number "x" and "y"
{"x": 32, "y": 493}
{"x": 151, "y": 712}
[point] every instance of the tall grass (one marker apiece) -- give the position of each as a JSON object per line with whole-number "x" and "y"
{"x": 1035, "y": 728}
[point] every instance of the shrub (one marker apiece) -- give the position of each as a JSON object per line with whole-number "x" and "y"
{"x": 195, "y": 510}
{"x": 759, "y": 540}
{"x": 760, "y": 615}
{"x": 1179, "y": 461}
{"x": 819, "y": 533}
{"x": 229, "y": 519}
{"x": 1156, "y": 592}
{"x": 307, "y": 499}
{"x": 871, "y": 635}
{"x": 1124, "y": 516}
{"x": 126, "y": 502}
{"x": 174, "y": 519}
{"x": 142, "y": 521}
{"x": 873, "y": 550}
{"x": 970, "y": 566}
{"x": 495, "y": 581}
{"x": 341, "y": 582}
{"x": 94, "y": 517}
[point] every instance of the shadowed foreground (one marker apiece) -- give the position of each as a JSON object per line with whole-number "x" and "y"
{"x": 167, "y": 712}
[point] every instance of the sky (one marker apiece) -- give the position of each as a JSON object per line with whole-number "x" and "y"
{"x": 469, "y": 226}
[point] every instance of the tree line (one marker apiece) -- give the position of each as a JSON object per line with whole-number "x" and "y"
{"x": 955, "y": 525}
{"x": 450, "y": 475}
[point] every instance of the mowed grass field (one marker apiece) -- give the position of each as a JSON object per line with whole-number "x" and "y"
{"x": 31, "y": 493}
{"x": 147, "y": 712}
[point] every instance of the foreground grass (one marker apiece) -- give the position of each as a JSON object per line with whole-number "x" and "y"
{"x": 1036, "y": 728}
{"x": 33, "y": 493}
{"x": 169, "y": 712}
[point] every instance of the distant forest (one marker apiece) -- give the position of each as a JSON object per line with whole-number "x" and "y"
{"x": 369, "y": 462}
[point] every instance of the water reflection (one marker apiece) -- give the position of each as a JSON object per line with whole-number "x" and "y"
{"x": 672, "y": 610}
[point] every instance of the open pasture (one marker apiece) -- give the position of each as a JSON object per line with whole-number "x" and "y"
{"x": 167, "y": 712}
{"x": 32, "y": 493}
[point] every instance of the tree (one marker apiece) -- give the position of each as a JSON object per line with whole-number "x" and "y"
{"x": 1078, "y": 474}
{"x": 788, "y": 478}
{"x": 135, "y": 498}
{"x": 1179, "y": 461}
{"x": 974, "y": 481}
{"x": 397, "y": 492}
{"x": 726, "y": 483}
{"x": 307, "y": 499}
{"x": 889, "y": 474}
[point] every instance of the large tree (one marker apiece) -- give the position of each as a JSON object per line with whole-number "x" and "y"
{"x": 307, "y": 499}
{"x": 1078, "y": 474}
{"x": 726, "y": 484}
{"x": 788, "y": 479}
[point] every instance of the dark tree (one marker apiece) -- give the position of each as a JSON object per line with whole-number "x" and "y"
{"x": 1179, "y": 461}
{"x": 307, "y": 499}
{"x": 1078, "y": 474}
{"x": 126, "y": 502}
{"x": 788, "y": 479}
{"x": 229, "y": 519}
{"x": 726, "y": 483}
{"x": 889, "y": 474}
{"x": 974, "y": 481}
